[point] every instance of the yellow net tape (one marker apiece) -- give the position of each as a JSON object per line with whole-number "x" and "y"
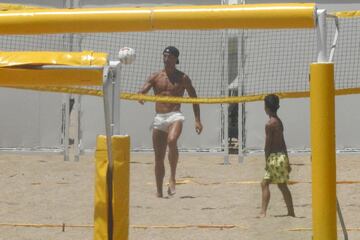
{"x": 347, "y": 14}
{"x": 138, "y": 97}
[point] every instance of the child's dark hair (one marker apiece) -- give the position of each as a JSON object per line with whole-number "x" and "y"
{"x": 272, "y": 102}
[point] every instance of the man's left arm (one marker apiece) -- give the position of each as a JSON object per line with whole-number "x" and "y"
{"x": 196, "y": 108}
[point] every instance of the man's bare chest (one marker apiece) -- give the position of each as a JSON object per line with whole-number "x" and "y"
{"x": 166, "y": 84}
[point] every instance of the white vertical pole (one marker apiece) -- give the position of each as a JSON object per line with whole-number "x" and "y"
{"x": 65, "y": 105}
{"x": 116, "y": 66}
{"x": 226, "y": 110}
{"x": 65, "y": 125}
{"x": 321, "y": 36}
{"x": 333, "y": 45}
{"x": 241, "y": 111}
{"x": 77, "y": 127}
{"x": 76, "y": 45}
{"x": 226, "y": 130}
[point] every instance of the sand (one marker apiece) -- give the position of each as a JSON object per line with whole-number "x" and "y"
{"x": 43, "y": 197}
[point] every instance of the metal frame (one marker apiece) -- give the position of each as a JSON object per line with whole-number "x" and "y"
{"x": 111, "y": 87}
{"x": 242, "y": 112}
{"x": 65, "y": 126}
{"x": 321, "y": 32}
{"x": 330, "y": 59}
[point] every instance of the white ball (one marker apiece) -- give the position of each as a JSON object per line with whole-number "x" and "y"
{"x": 127, "y": 55}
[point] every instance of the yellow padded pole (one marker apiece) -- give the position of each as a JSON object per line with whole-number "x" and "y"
{"x": 41, "y": 21}
{"x": 120, "y": 201}
{"x": 101, "y": 193}
{"x": 322, "y": 98}
{"x": 121, "y": 175}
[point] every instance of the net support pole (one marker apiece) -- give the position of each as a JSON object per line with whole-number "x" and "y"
{"x": 66, "y": 125}
{"x": 75, "y": 45}
{"x": 120, "y": 191}
{"x": 112, "y": 200}
{"x": 321, "y": 36}
{"x": 232, "y": 49}
{"x": 241, "y": 92}
{"x": 226, "y": 134}
{"x": 77, "y": 130}
{"x": 322, "y": 104}
{"x": 323, "y": 151}
{"x": 107, "y": 90}
{"x": 116, "y": 100}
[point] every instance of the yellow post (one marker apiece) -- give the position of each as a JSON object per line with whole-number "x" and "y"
{"x": 121, "y": 179}
{"x": 322, "y": 99}
{"x": 120, "y": 201}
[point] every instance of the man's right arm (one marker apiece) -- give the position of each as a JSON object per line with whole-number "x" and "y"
{"x": 147, "y": 86}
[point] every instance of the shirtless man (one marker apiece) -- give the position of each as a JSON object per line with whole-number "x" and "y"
{"x": 277, "y": 167}
{"x": 168, "y": 120}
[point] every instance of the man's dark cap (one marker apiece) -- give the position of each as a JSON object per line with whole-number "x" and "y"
{"x": 173, "y": 51}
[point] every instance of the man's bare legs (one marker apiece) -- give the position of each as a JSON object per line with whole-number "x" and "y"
{"x": 173, "y": 155}
{"x": 159, "y": 144}
{"x": 265, "y": 199}
{"x": 287, "y": 198}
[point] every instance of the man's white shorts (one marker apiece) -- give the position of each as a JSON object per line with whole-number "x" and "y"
{"x": 162, "y": 121}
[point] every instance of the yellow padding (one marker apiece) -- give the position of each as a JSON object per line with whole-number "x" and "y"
{"x": 121, "y": 179}
{"x": 250, "y": 16}
{"x": 86, "y": 58}
{"x": 120, "y": 201}
{"x": 12, "y": 7}
{"x": 101, "y": 193}
{"x": 50, "y": 77}
{"x": 322, "y": 105}
{"x": 158, "y": 18}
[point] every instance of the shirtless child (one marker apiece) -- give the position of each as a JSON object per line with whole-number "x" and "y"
{"x": 277, "y": 167}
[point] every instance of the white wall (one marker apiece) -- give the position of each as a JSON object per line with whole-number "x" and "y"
{"x": 29, "y": 119}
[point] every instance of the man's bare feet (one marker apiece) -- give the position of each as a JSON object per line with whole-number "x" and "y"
{"x": 261, "y": 215}
{"x": 171, "y": 189}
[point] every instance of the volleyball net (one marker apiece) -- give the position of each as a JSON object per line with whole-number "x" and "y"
{"x": 225, "y": 66}
{"x": 272, "y": 57}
